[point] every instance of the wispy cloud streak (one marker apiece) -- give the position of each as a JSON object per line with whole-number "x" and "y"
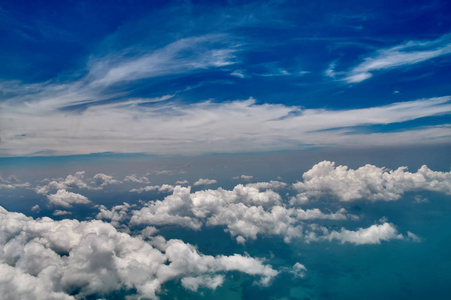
{"x": 406, "y": 54}
{"x": 205, "y": 127}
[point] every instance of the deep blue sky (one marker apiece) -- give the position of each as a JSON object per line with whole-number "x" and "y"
{"x": 68, "y": 62}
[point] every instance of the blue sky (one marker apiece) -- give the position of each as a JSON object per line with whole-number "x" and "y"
{"x": 225, "y": 149}
{"x": 230, "y": 77}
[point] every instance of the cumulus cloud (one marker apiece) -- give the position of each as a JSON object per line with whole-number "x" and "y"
{"x": 117, "y": 215}
{"x": 406, "y": 54}
{"x": 9, "y": 179}
{"x": 245, "y": 211}
{"x": 181, "y": 182}
{"x": 134, "y": 178}
{"x": 100, "y": 180}
{"x": 12, "y": 186}
{"x": 66, "y": 199}
{"x": 164, "y": 188}
{"x": 193, "y": 283}
{"x": 368, "y": 182}
{"x": 61, "y": 212}
{"x": 56, "y": 190}
{"x": 299, "y": 270}
{"x": 68, "y": 259}
{"x": 71, "y": 181}
{"x": 11, "y": 183}
{"x": 273, "y": 184}
{"x": 371, "y": 235}
{"x": 202, "y": 181}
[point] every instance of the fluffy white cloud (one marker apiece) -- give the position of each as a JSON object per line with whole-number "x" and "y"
{"x": 299, "y": 270}
{"x": 11, "y": 182}
{"x": 368, "y": 182}
{"x": 56, "y": 191}
{"x": 371, "y": 235}
{"x": 164, "y": 188}
{"x": 134, "y": 178}
{"x": 203, "y": 181}
{"x": 78, "y": 181}
{"x": 173, "y": 210}
{"x": 245, "y": 212}
{"x": 66, "y": 199}
{"x": 16, "y": 284}
{"x": 100, "y": 180}
{"x": 193, "y": 283}
{"x": 71, "y": 181}
{"x": 273, "y": 184}
{"x": 117, "y": 214}
{"x": 47, "y": 259}
{"x": 181, "y": 182}
{"x": 61, "y": 212}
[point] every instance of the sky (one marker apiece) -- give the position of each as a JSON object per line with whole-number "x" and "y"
{"x": 225, "y": 149}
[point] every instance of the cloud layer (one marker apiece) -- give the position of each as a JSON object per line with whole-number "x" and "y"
{"x": 368, "y": 182}
{"x": 68, "y": 259}
{"x": 205, "y": 127}
{"x": 121, "y": 250}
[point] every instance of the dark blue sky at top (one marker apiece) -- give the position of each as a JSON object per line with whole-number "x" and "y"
{"x": 296, "y": 40}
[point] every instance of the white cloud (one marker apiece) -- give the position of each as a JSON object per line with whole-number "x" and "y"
{"x": 57, "y": 194}
{"x": 237, "y": 126}
{"x": 413, "y": 237}
{"x": 371, "y": 235}
{"x": 244, "y": 211}
{"x": 368, "y": 182}
{"x": 238, "y": 73}
{"x": 409, "y": 53}
{"x": 420, "y": 199}
{"x": 173, "y": 210}
{"x": 11, "y": 183}
{"x": 66, "y": 199}
{"x": 245, "y": 177}
{"x": 181, "y": 182}
{"x": 211, "y": 282}
{"x": 100, "y": 180}
{"x": 203, "y": 181}
{"x": 12, "y": 186}
{"x": 9, "y": 179}
{"x": 164, "y": 188}
{"x": 330, "y": 72}
{"x": 71, "y": 181}
{"x": 182, "y": 56}
{"x": 273, "y": 184}
{"x": 36, "y": 208}
{"x": 116, "y": 215}
{"x": 47, "y": 259}
{"x": 17, "y": 284}
{"x": 299, "y": 270}
{"x": 134, "y": 178}
{"x": 61, "y": 212}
